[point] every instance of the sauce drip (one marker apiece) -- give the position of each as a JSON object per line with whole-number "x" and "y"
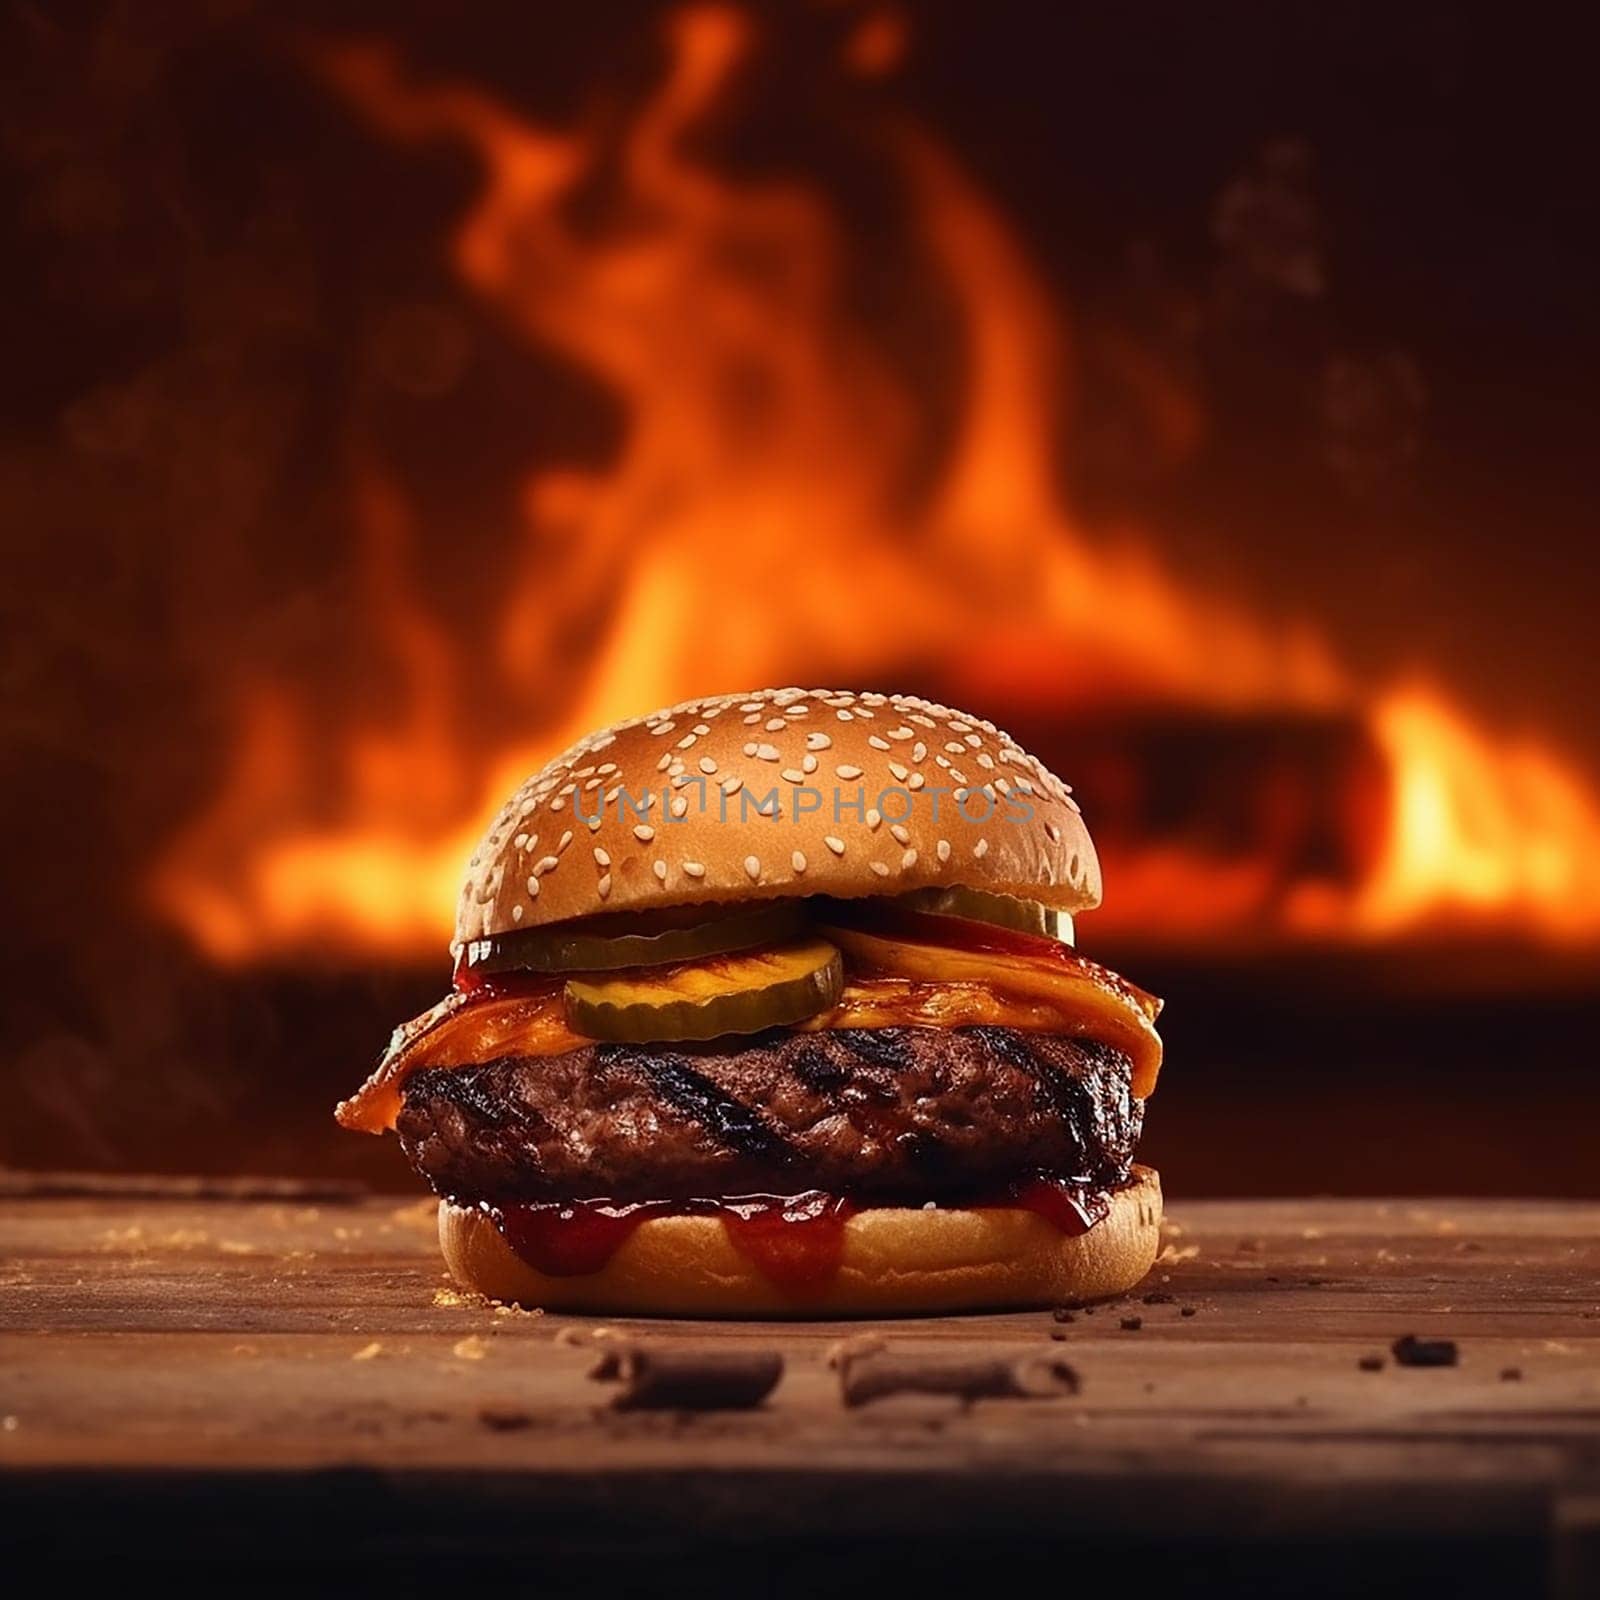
{"x": 795, "y": 1241}
{"x": 573, "y": 1239}
{"x": 1069, "y": 1207}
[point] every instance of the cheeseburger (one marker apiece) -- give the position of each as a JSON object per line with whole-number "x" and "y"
{"x": 769, "y": 1004}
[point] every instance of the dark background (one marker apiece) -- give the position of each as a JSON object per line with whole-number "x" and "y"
{"x": 1332, "y": 330}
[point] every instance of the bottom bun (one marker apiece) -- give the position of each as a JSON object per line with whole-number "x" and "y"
{"x": 894, "y": 1261}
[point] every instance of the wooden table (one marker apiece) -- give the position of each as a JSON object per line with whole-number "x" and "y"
{"x": 292, "y": 1380}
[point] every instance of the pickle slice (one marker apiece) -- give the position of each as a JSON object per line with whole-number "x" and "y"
{"x": 1002, "y": 910}
{"x": 603, "y": 944}
{"x": 745, "y": 993}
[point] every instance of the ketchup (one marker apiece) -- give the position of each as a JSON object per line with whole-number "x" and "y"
{"x": 795, "y": 1241}
{"x": 571, "y": 1239}
{"x": 1068, "y": 1207}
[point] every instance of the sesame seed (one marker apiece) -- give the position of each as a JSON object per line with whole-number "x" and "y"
{"x": 644, "y": 833}
{"x": 817, "y": 741}
{"x": 661, "y": 728}
{"x": 844, "y": 716}
{"x": 956, "y": 748}
{"x": 732, "y": 785}
{"x": 981, "y": 849}
{"x": 908, "y": 860}
{"x": 986, "y": 761}
{"x": 901, "y": 832}
{"x": 792, "y": 775}
{"x": 564, "y": 841}
{"x": 702, "y": 727}
{"x": 900, "y": 772}
{"x": 848, "y": 773}
{"x": 752, "y": 867}
{"x": 602, "y": 858}
{"x": 798, "y": 861}
{"x": 521, "y": 841}
{"x": 880, "y": 868}
{"x": 707, "y": 765}
{"x": 752, "y": 720}
{"x": 876, "y": 742}
{"x": 686, "y": 741}
{"x": 603, "y": 887}
{"x": 861, "y": 710}
{"x": 694, "y": 869}
{"x": 874, "y": 819}
{"x": 533, "y": 888}
{"x": 959, "y": 727}
{"x": 808, "y": 763}
{"x": 545, "y": 864}
{"x": 975, "y": 740}
{"x": 660, "y": 870}
{"x": 593, "y": 824}
{"x": 942, "y": 850}
{"x": 901, "y": 733}
{"x": 516, "y": 913}
{"x": 767, "y": 752}
{"x": 915, "y": 781}
{"x": 751, "y": 748}
{"x": 776, "y": 725}
{"x": 680, "y": 805}
{"x": 919, "y": 751}
{"x": 835, "y": 845}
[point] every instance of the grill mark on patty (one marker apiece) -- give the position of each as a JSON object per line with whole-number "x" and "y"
{"x": 817, "y": 1070}
{"x": 695, "y": 1095}
{"x": 475, "y": 1094}
{"x": 881, "y": 1047}
{"x": 1013, "y": 1048}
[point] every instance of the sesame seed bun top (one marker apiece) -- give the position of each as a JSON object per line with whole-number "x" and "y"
{"x": 778, "y": 793}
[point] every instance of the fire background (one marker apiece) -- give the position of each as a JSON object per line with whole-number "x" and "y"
{"x": 1203, "y": 393}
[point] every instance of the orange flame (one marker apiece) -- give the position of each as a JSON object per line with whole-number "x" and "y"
{"x": 771, "y": 516}
{"x": 1480, "y": 829}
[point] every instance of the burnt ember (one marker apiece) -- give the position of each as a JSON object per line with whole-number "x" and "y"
{"x": 1411, "y": 1351}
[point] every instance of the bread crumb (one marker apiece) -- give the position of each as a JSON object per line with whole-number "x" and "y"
{"x": 368, "y": 1352}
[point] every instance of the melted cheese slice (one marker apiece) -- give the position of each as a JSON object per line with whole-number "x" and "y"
{"x": 892, "y": 984}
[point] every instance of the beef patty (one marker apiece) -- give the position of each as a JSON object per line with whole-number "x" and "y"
{"x": 895, "y": 1113}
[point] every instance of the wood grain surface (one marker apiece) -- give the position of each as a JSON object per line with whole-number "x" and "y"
{"x": 293, "y": 1378}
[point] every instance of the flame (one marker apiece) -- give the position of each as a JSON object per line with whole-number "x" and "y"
{"x": 1480, "y": 828}
{"x": 775, "y": 513}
